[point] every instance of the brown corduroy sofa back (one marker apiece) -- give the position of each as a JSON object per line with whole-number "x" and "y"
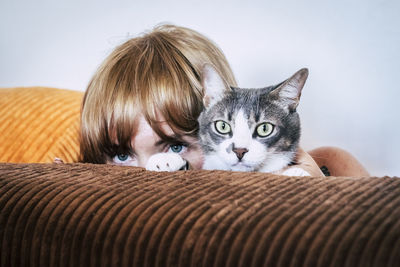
{"x": 98, "y": 215}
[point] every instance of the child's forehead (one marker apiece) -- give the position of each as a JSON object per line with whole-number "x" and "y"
{"x": 144, "y": 128}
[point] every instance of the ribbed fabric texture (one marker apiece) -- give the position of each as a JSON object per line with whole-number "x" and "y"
{"x": 38, "y": 124}
{"x": 101, "y": 215}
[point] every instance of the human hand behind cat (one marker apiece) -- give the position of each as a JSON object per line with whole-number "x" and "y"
{"x": 58, "y": 161}
{"x": 305, "y": 166}
{"x": 166, "y": 162}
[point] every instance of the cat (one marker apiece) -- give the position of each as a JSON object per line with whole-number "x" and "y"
{"x": 245, "y": 129}
{"x": 250, "y": 129}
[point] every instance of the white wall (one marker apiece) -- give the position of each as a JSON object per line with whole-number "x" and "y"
{"x": 352, "y": 49}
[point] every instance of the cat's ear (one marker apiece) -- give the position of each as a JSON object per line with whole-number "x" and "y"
{"x": 214, "y": 85}
{"x": 289, "y": 92}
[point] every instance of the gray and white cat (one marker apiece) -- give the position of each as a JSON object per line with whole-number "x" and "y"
{"x": 250, "y": 129}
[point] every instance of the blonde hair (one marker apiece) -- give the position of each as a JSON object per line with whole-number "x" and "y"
{"x": 155, "y": 73}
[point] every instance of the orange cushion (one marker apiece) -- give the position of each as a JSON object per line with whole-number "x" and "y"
{"x": 38, "y": 124}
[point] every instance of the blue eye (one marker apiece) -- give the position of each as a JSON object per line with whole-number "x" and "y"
{"x": 176, "y": 148}
{"x": 122, "y": 157}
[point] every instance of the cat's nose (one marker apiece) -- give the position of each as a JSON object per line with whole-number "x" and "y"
{"x": 240, "y": 152}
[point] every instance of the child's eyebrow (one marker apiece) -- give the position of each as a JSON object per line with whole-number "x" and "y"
{"x": 118, "y": 149}
{"x": 171, "y": 139}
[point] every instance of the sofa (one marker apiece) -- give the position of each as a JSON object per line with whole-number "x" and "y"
{"x": 77, "y": 214}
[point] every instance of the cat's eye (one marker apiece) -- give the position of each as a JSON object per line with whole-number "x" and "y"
{"x": 265, "y": 129}
{"x": 222, "y": 127}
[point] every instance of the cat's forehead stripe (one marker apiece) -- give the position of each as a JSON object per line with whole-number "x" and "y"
{"x": 229, "y": 114}
{"x": 242, "y": 133}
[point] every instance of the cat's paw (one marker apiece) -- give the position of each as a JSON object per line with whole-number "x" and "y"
{"x": 295, "y": 171}
{"x": 166, "y": 162}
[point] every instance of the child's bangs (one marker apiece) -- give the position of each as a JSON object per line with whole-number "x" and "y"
{"x": 123, "y": 123}
{"x": 169, "y": 88}
{"x": 172, "y": 99}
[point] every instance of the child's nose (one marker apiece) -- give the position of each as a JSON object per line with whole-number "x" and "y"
{"x": 142, "y": 161}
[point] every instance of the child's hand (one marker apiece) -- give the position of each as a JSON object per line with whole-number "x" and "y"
{"x": 58, "y": 160}
{"x": 307, "y": 163}
{"x": 166, "y": 162}
{"x": 306, "y": 166}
